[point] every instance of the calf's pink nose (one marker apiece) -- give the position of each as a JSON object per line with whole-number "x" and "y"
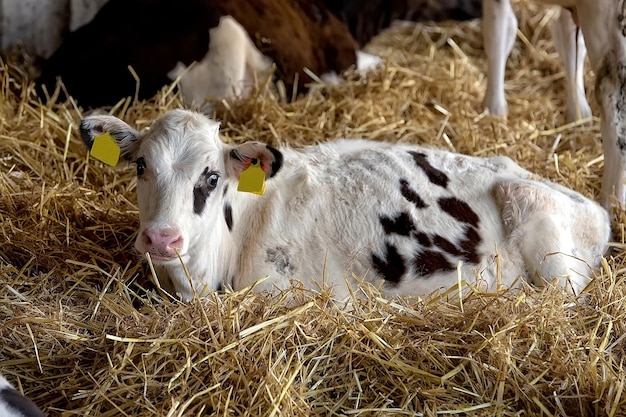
{"x": 163, "y": 241}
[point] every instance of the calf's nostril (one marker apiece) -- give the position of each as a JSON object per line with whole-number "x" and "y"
{"x": 177, "y": 242}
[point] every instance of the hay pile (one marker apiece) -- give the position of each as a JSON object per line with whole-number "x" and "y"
{"x": 84, "y": 332}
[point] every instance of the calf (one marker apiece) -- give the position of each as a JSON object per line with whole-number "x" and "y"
{"x": 603, "y": 25}
{"x": 14, "y": 404}
{"x": 412, "y": 217}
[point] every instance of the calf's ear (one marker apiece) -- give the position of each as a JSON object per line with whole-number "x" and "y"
{"x": 124, "y": 135}
{"x": 240, "y": 157}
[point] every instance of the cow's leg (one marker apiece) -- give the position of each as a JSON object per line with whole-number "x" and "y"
{"x": 225, "y": 64}
{"x": 570, "y": 45}
{"x": 499, "y": 30}
{"x": 604, "y": 27}
{"x": 559, "y": 235}
{"x": 229, "y": 69}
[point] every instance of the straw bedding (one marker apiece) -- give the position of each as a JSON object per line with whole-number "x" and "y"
{"x": 84, "y": 331}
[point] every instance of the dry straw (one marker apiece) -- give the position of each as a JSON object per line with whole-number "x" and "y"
{"x": 84, "y": 332}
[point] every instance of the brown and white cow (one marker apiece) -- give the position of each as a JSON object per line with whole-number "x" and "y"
{"x": 366, "y": 19}
{"x": 231, "y": 43}
{"x": 234, "y": 41}
{"x": 410, "y": 217}
{"x": 603, "y": 27}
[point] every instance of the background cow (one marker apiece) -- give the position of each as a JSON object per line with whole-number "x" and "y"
{"x": 159, "y": 39}
{"x": 155, "y": 37}
{"x": 411, "y": 217}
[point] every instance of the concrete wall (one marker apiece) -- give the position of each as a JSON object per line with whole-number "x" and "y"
{"x": 39, "y": 25}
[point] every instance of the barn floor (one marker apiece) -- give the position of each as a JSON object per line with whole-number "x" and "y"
{"x": 84, "y": 332}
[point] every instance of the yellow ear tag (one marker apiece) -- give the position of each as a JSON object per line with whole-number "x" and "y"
{"x": 252, "y": 179}
{"x": 105, "y": 149}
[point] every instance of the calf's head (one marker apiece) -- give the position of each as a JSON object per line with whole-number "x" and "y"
{"x": 182, "y": 170}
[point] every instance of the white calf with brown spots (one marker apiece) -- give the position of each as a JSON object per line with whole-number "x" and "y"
{"x": 408, "y": 217}
{"x": 603, "y": 27}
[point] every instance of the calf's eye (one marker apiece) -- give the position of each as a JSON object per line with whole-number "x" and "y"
{"x": 203, "y": 188}
{"x": 141, "y": 166}
{"x": 212, "y": 180}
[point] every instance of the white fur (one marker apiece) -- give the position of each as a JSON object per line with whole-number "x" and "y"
{"x": 321, "y": 218}
{"x": 229, "y": 69}
{"x": 233, "y": 65}
{"x": 367, "y": 62}
{"x": 603, "y": 34}
{"x": 364, "y": 62}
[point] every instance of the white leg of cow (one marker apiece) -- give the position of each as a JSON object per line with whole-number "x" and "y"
{"x": 570, "y": 45}
{"x": 228, "y": 70}
{"x": 234, "y": 56}
{"x": 604, "y": 28}
{"x": 499, "y": 31}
